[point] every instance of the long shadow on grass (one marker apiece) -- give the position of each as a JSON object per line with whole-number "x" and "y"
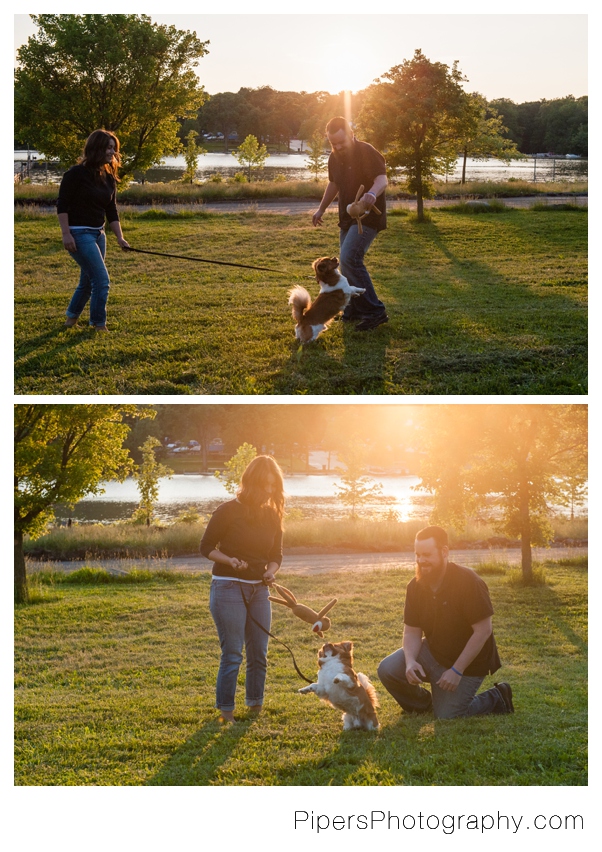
{"x": 313, "y": 368}
{"x": 67, "y": 339}
{"x": 197, "y": 761}
{"x": 471, "y": 324}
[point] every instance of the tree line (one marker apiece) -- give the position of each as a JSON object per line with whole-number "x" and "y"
{"x": 557, "y": 125}
{"x": 520, "y": 459}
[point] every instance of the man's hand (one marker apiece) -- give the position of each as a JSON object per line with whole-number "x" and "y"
{"x": 449, "y": 681}
{"x": 316, "y": 219}
{"x": 415, "y": 674}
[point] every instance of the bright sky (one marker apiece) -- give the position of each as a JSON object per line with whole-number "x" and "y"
{"x": 522, "y": 57}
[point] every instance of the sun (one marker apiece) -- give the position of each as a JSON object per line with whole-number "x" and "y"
{"x": 346, "y": 76}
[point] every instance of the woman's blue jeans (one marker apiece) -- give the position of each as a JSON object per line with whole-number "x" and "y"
{"x": 353, "y": 247}
{"x": 445, "y": 705}
{"x": 94, "y": 279}
{"x": 236, "y": 630}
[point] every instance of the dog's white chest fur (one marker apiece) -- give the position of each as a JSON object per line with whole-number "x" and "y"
{"x": 333, "y": 685}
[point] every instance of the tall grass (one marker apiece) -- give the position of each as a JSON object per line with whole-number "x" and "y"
{"x": 182, "y": 193}
{"x": 121, "y": 540}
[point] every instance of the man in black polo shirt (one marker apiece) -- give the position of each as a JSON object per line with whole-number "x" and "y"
{"x": 447, "y": 639}
{"x": 353, "y": 164}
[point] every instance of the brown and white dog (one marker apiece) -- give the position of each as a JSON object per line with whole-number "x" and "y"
{"x": 341, "y": 687}
{"x": 335, "y": 294}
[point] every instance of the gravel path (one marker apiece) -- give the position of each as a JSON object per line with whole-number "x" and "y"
{"x": 314, "y": 563}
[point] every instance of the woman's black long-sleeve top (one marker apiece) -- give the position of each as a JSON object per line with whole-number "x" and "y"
{"x": 254, "y": 537}
{"x": 86, "y": 201}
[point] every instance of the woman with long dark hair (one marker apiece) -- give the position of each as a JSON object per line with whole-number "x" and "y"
{"x": 244, "y": 540}
{"x": 86, "y": 198}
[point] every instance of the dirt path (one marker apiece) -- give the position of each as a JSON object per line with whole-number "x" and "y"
{"x": 314, "y": 563}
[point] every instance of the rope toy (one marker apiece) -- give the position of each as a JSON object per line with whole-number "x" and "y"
{"x": 319, "y": 621}
{"x": 357, "y": 211}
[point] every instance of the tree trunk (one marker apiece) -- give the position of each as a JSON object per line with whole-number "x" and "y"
{"x": 464, "y": 166}
{"x": 419, "y": 197}
{"x": 21, "y": 595}
{"x": 525, "y": 530}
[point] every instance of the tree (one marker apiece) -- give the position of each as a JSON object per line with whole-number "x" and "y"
{"x": 416, "y": 113}
{"x": 192, "y": 152}
{"x": 316, "y": 159}
{"x": 235, "y": 467}
{"x": 483, "y": 136}
{"x": 118, "y": 72}
{"x": 147, "y": 475}
{"x": 62, "y": 453}
{"x": 251, "y": 154}
{"x": 512, "y": 460}
{"x": 357, "y": 488}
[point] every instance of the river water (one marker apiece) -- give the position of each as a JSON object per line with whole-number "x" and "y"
{"x": 294, "y": 167}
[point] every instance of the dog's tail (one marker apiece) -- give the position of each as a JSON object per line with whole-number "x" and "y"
{"x": 365, "y": 682}
{"x": 300, "y": 300}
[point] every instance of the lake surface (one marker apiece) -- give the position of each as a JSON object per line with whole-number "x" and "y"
{"x": 294, "y": 167}
{"x": 204, "y": 492}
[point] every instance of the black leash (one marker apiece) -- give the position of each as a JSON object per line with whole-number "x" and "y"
{"x": 204, "y": 260}
{"x": 297, "y": 669}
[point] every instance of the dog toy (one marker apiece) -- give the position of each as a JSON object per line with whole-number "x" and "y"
{"x": 356, "y": 211}
{"x": 319, "y": 620}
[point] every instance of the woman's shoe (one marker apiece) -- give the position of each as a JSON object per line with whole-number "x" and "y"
{"x": 70, "y": 322}
{"x": 100, "y": 328}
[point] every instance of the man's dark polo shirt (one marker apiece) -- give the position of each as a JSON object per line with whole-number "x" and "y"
{"x": 446, "y": 616}
{"x": 349, "y": 172}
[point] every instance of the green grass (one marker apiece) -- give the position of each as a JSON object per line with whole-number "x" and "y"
{"x": 115, "y": 686}
{"x": 478, "y": 304}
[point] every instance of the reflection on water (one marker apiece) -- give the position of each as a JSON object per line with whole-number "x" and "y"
{"x": 311, "y": 494}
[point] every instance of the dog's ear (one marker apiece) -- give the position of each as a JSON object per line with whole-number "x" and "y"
{"x": 334, "y": 260}
{"x": 347, "y": 646}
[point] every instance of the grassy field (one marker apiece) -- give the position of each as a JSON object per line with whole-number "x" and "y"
{"x": 478, "y": 304}
{"x": 115, "y": 686}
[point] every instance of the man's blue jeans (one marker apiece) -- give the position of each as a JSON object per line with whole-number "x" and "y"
{"x": 235, "y": 630}
{"x": 94, "y": 279}
{"x": 353, "y": 247}
{"x": 445, "y": 705}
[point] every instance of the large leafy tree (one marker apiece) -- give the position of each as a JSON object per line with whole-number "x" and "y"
{"x": 516, "y": 461}
{"x": 417, "y": 114}
{"x": 118, "y": 72}
{"x": 62, "y": 453}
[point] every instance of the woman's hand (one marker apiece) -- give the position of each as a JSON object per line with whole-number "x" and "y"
{"x": 238, "y": 564}
{"x": 123, "y": 244}
{"x": 69, "y": 243}
{"x": 269, "y": 577}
